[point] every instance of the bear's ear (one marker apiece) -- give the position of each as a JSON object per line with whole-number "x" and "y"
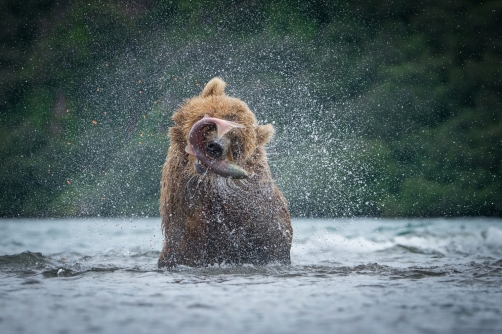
{"x": 215, "y": 86}
{"x": 264, "y": 134}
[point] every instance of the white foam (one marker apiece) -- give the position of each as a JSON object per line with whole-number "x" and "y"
{"x": 493, "y": 236}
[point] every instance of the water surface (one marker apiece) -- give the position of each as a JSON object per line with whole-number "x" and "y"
{"x": 347, "y": 276}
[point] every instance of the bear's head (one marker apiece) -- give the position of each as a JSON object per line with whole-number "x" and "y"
{"x": 219, "y": 134}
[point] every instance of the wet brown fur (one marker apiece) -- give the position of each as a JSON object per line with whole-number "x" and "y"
{"x": 208, "y": 219}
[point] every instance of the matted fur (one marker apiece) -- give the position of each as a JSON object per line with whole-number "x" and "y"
{"x": 208, "y": 219}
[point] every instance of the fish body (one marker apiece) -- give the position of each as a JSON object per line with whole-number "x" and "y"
{"x": 196, "y": 147}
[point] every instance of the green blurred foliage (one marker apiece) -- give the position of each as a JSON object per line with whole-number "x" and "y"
{"x": 381, "y": 108}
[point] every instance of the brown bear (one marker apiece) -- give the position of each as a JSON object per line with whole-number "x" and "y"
{"x": 218, "y": 203}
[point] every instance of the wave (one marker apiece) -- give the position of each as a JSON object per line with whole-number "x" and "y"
{"x": 35, "y": 264}
{"x": 320, "y": 244}
{"x": 402, "y": 249}
{"x": 56, "y": 266}
{"x": 25, "y": 260}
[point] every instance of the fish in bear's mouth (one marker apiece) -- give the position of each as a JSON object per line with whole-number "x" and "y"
{"x": 210, "y": 156}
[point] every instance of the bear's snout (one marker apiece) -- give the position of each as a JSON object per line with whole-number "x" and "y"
{"x": 214, "y": 149}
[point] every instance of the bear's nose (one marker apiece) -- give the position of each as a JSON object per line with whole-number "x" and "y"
{"x": 214, "y": 150}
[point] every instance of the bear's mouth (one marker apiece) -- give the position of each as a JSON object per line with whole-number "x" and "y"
{"x": 200, "y": 168}
{"x": 210, "y": 154}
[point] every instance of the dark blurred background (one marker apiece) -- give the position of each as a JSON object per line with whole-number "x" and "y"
{"x": 382, "y": 108}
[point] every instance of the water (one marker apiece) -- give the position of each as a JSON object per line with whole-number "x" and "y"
{"x": 347, "y": 276}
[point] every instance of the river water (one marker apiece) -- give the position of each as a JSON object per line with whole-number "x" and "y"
{"x": 347, "y": 276}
